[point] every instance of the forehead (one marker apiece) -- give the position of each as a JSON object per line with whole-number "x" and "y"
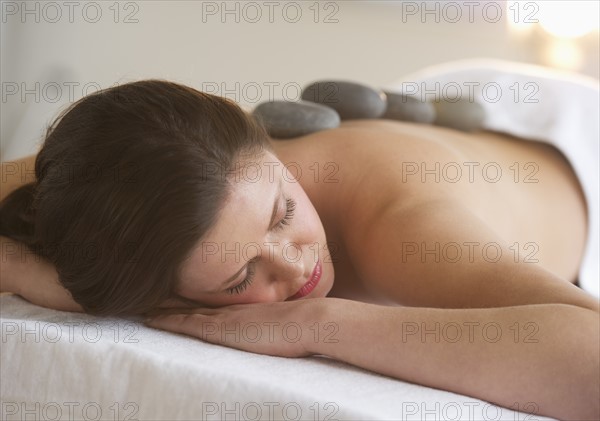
{"x": 241, "y": 224}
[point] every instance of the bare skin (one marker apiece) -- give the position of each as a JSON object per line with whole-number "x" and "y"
{"x": 378, "y": 208}
{"x": 367, "y": 174}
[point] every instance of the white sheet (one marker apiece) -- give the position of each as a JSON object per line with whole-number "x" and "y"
{"x": 534, "y": 103}
{"x": 73, "y": 362}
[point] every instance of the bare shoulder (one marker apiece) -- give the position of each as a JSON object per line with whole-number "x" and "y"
{"x": 353, "y": 172}
{"x": 440, "y": 254}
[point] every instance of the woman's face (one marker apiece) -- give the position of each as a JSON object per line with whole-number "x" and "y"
{"x": 265, "y": 246}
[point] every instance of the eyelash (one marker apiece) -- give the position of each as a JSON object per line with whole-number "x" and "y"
{"x": 289, "y": 214}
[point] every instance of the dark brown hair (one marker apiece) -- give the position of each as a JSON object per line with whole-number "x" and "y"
{"x": 128, "y": 181}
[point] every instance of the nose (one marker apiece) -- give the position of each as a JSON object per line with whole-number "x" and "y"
{"x": 288, "y": 265}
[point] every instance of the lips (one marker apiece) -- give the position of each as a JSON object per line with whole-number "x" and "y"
{"x": 310, "y": 285}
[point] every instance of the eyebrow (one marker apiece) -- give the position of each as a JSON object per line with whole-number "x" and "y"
{"x": 233, "y": 277}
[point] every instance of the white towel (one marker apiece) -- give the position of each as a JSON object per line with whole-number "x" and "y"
{"x": 52, "y": 359}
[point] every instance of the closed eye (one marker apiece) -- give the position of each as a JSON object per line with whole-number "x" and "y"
{"x": 239, "y": 288}
{"x": 289, "y": 214}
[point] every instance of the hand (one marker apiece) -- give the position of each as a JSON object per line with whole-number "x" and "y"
{"x": 284, "y": 329}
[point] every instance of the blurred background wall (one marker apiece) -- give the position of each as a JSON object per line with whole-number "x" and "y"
{"x": 53, "y": 53}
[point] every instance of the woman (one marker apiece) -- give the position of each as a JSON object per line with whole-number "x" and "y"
{"x": 153, "y": 195}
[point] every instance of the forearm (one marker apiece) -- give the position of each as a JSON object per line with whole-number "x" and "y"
{"x": 547, "y": 354}
{"x": 9, "y": 264}
{"x": 24, "y": 273}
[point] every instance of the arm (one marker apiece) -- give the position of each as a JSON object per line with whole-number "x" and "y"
{"x": 432, "y": 255}
{"x": 26, "y": 274}
{"x": 22, "y": 272}
{"x": 538, "y": 358}
{"x": 560, "y": 372}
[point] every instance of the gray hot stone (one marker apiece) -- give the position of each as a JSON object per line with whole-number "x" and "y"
{"x": 408, "y": 108}
{"x": 464, "y": 114}
{"x": 285, "y": 120}
{"x": 350, "y": 100}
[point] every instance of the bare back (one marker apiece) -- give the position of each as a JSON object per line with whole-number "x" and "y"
{"x": 525, "y": 191}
